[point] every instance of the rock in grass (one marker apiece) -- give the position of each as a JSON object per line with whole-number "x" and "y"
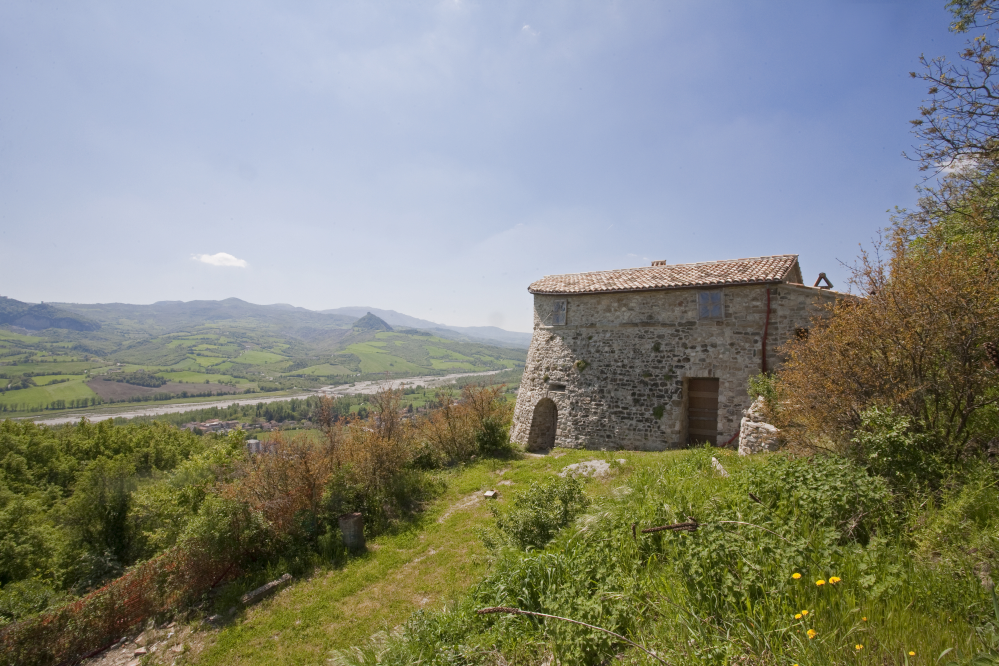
{"x": 718, "y": 466}
{"x": 264, "y": 590}
{"x": 592, "y": 468}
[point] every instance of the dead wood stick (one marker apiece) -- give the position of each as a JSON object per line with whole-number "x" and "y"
{"x": 517, "y": 611}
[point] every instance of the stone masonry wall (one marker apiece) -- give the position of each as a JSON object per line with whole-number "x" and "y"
{"x": 636, "y": 349}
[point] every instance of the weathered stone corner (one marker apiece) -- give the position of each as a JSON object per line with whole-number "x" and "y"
{"x": 755, "y": 434}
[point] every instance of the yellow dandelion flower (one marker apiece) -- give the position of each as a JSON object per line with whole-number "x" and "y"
{"x": 834, "y": 579}
{"x": 820, "y": 582}
{"x": 864, "y": 619}
{"x": 796, "y": 576}
{"x": 812, "y": 633}
{"x": 804, "y": 612}
{"x": 858, "y": 646}
{"x": 911, "y": 653}
{"x": 797, "y": 616}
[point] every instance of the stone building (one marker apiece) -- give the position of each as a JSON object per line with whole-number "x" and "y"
{"x": 657, "y": 357}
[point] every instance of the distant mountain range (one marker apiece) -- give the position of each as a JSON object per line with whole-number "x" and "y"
{"x": 164, "y": 316}
{"x": 220, "y": 346}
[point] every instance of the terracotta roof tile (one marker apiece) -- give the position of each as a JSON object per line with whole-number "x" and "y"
{"x": 755, "y": 270}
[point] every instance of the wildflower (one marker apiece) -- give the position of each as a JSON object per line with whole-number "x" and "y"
{"x": 911, "y": 653}
{"x": 834, "y": 579}
{"x": 804, "y": 612}
{"x": 858, "y": 646}
{"x": 864, "y": 619}
{"x": 811, "y": 634}
{"x": 797, "y": 616}
{"x": 820, "y": 582}
{"x": 796, "y": 576}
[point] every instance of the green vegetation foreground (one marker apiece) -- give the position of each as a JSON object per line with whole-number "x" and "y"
{"x": 105, "y": 526}
{"x": 791, "y": 561}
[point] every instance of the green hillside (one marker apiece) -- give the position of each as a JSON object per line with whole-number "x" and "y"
{"x": 203, "y": 349}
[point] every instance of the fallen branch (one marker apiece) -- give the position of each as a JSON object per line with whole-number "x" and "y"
{"x": 517, "y": 611}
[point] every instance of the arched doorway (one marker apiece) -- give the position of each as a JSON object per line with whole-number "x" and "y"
{"x": 543, "y": 425}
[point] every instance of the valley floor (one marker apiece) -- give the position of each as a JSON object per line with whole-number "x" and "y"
{"x": 367, "y": 388}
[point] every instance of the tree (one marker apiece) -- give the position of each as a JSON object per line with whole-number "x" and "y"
{"x": 98, "y": 510}
{"x": 960, "y": 120}
{"x": 917, "y": 344}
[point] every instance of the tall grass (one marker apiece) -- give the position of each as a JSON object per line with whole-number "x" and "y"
{"x": 745, "y": 585}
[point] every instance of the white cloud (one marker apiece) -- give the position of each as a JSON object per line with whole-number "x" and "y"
{"x": 959, "y": 163}
{"x": 220, "y": 259}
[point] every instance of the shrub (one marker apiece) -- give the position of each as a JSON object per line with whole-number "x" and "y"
{"x": 764, "y": 385}
{"x": 827, "y": 491}
{"x": 492, "y": 438}
{"x": 888, "y": 445}
{"x": 915, "y": 344}
{"x": 24, "y": 598}
{"x": 98, "y": 510}
{"x": 537, "y": 514}
{"x": 457, "y": 429}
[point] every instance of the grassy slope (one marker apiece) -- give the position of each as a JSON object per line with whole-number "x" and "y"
{"x": 437, "y": 559}
{"x": 426, "y": 565}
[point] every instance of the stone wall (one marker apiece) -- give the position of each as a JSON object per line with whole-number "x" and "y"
{"x": 620, "y": 356}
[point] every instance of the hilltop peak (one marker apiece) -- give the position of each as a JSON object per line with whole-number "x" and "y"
{"x": 370, "y": 322}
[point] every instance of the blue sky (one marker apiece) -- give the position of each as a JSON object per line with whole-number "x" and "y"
{"x": 437, "y": 157}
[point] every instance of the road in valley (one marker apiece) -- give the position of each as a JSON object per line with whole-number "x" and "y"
{"x": 366, "y": 388}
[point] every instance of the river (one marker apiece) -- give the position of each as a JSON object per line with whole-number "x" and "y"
{"x": 367, "y": 387}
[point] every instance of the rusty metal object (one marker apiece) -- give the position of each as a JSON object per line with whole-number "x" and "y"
{"x": 690, "y": 526}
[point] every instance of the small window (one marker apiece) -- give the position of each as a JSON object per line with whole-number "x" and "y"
{"x": 709, "y": 305}
{"x": 558, "y": 313}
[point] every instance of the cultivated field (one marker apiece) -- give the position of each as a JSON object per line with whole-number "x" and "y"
{"x": 119, "y": 391}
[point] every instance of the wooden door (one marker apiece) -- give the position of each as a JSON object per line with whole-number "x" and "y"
{"x": 702, "y": 410}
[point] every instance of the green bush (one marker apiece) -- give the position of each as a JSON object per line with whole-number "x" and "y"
{"x": 29, "y": 541}
{"x": 493, "y": 438}
{"x": 824, "y": 492}
{"x": 98, "y": 511}
{"x": 24, "y": 598}
{"x": 538, "y": 513}
{"x": 765, "y": 385}
{"x": 888, "y": 445}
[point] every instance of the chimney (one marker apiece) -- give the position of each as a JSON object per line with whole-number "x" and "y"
{"x": 659, "y": 262}
{"x": 822, "y": 278}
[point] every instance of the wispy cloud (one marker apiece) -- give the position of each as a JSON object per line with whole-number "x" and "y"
{"x": 220, "y": 259}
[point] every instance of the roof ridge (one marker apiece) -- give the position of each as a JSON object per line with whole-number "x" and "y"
{"x": 693, "y": 263}
{"x": 775, "y": 268}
